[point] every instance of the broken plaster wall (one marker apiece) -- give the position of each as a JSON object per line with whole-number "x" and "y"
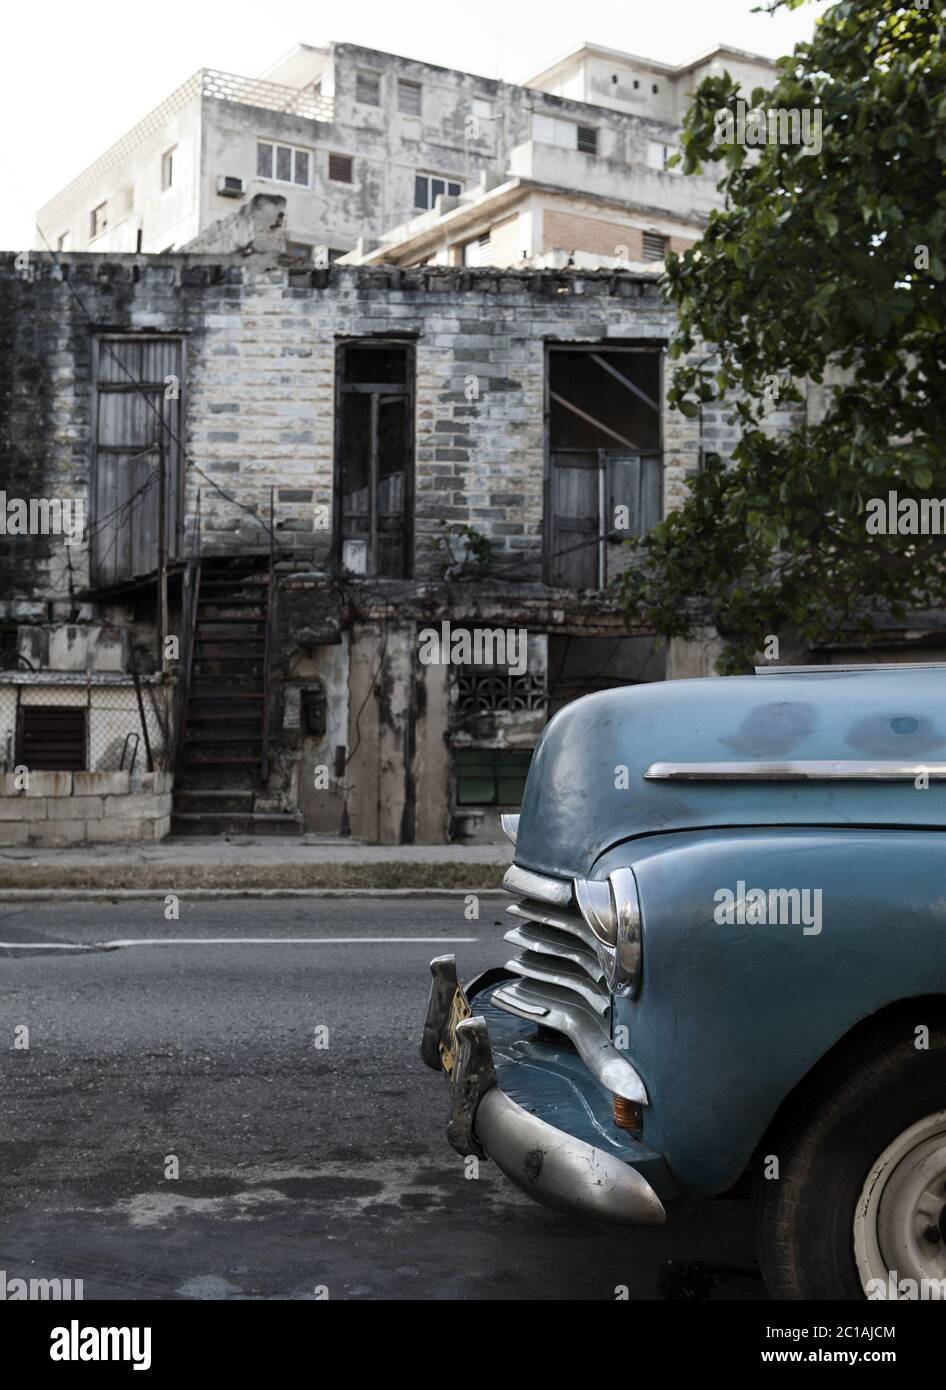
{"x": 389, "y": 147}
{"x": 398, "y": 775}
{"x": 323, "y": 670}
{"x": 378, "y": 776}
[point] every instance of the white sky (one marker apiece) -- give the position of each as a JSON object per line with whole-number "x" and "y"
{"x": 76, "y": 76}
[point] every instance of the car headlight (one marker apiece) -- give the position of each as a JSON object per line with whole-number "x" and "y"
{"x": 611, "y": 908}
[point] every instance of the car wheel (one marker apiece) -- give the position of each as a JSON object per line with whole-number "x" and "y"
{"x": 850, "y": 1191}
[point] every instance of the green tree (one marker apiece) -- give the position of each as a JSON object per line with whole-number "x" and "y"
{"x": 827, "y": 266}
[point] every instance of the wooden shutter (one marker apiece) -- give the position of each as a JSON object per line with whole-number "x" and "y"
{"x": 131, "y": 377}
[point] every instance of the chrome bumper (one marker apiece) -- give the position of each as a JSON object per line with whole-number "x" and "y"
{"x": 548, "y": 1164}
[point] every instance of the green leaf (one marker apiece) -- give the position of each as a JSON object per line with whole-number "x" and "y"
{"x": 807, "y": 271}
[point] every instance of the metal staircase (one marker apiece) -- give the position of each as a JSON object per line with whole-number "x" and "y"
{"x": 223, "y": 749}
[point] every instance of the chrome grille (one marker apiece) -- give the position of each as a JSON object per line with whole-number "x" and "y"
{"x": 561, "y": 984}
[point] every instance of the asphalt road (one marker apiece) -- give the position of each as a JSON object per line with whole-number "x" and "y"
{"x": 302, "y": 1168}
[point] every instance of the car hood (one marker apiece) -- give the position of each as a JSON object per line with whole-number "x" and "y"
{"x": 586, "y": 790}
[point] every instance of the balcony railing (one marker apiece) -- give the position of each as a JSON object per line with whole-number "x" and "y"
{"x": 221, "y": 86}
{"x": 270, "y": 96}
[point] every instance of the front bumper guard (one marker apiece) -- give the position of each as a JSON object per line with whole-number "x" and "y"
{"x": 550, "y": 1165}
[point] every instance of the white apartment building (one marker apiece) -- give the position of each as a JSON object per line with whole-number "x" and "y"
{"x": 362, "y": 142}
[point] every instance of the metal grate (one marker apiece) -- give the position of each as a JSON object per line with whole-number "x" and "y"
{"x": 480, "y": 692}
{"x": 587, "y": 139}
{"x": 655, "y": 246}
{"x": 340, "y": 168}
{"x": 113, "y": 721}
{"x": 52, "y": 738}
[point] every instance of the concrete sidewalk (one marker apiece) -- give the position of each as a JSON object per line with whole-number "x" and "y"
{"x": 241, "y": 865}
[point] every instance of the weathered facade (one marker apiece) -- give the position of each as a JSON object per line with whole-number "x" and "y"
{"x": 358, "y": 141}
{"x": 351, "y": 458}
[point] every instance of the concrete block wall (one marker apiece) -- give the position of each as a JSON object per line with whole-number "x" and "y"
{"x": 76, "y": 808}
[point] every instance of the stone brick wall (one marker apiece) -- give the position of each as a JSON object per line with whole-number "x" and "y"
{"x": 260, "y": 389}
{"x": 74, "y": 808}
{"x": 51, "y": 313}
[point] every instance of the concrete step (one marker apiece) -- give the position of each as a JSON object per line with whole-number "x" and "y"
{"x": 236, "y": 823}
{"x": 242, "y": 619}
{"x": 245, "y": 724}
{"x": 189, "y": 801}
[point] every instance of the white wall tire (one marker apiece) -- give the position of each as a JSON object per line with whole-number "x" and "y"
{"x": 861, "y": 1186}
{"x": 900, "y": 1215}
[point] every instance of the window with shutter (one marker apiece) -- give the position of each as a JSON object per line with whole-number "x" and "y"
{"x": 368, "y": 88}
{"x": 478, "y": 251}
{"x": 341, "y": 168}
{"x": 655, "y": 246}
{"x": 408, "y": 97}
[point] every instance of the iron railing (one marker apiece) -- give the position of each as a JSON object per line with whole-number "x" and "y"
{"x": 268, "y": 638}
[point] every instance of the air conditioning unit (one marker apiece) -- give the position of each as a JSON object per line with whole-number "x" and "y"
{"x": 229, "y": 186}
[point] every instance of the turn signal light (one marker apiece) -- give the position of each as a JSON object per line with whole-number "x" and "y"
{"x": 627, "y": 1114}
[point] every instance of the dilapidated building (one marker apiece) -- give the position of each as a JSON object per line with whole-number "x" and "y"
{"x": 358, "y": 141}
{"x": 292, "y": 481}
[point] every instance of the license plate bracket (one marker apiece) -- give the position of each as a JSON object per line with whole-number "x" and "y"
{"x": 459, "y": 1010}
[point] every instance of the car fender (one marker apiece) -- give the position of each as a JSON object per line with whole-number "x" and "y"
{"x": 731, "y": 1016}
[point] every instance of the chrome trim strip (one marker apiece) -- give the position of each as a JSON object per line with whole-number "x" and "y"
{"x": 567, "y": 1014}
{"x": 853, "y": 668}
{"x": 575, "y": 927}
{"x": 557, "y": 891}
{"x": 510, "y": 825}
{"x": 596, "y": 906}
{"x": 611, "y": 908}
{"x": 571, "y": 1175}
{"x": 565, "y": 976}
{"x": 532, "y": 1011}
{"x": 547, "y": 943}
{"x": 828, "y": 770}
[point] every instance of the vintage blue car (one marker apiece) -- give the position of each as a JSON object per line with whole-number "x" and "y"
{"x": 729, "y": 933}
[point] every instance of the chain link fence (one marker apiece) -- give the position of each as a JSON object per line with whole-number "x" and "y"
{"x": 114, "y": 738}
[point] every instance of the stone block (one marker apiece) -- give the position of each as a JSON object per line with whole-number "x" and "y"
{"x": 14, "y": 808}
{"x": 50, "y": 784}
{"x": 14, "y": 832}
{"x": 111, "y": 831}
{"x": 59, "y": 832}
{"x": 75, "y": 808}
{"x": 132, "y": 807}
{"x": 102, "y": 783}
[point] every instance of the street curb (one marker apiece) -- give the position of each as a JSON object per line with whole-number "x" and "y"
{"x": 38, "y": 895}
